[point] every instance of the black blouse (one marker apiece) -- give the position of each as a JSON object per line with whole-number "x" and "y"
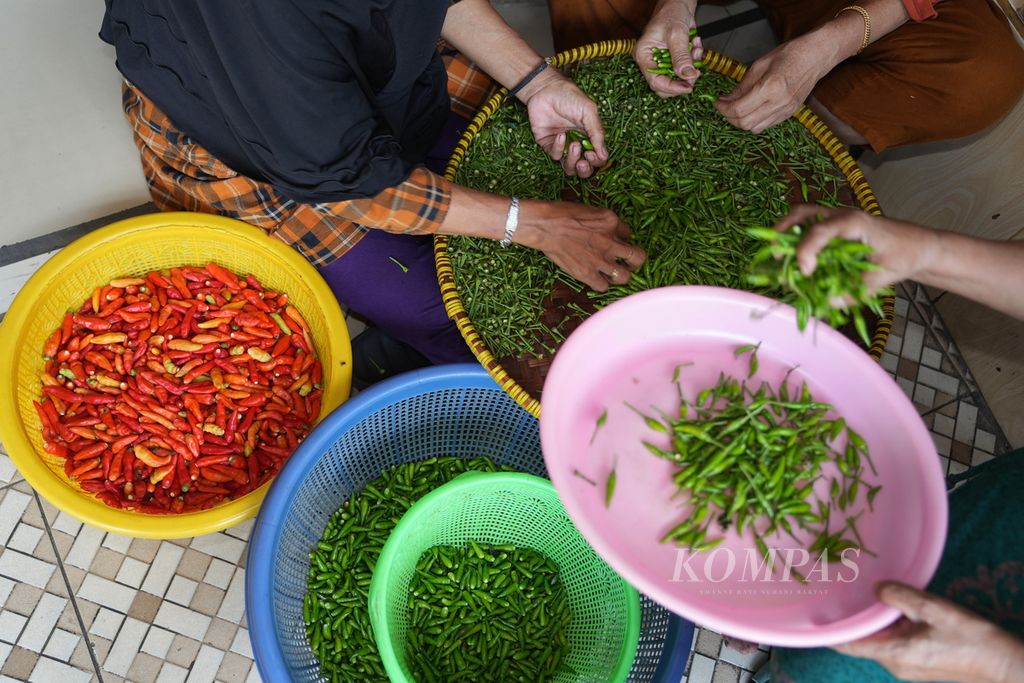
{"x": 326, "y": 100}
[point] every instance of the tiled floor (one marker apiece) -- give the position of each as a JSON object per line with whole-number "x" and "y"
{"x": 79, "y": 604}
{"x": 82, "y": 605}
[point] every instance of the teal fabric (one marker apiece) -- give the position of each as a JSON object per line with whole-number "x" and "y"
{"x": 982, "y": 568}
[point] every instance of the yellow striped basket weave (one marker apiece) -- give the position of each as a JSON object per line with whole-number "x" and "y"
{"x": 712, "y": 60}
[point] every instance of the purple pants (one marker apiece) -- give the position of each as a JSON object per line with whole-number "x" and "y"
{"x": 404, "y": 305}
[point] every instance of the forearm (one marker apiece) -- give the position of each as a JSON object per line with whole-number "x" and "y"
{"x": 989, "y": 272}
{"x": 480, "y": 214}
{"x": 476, "y": 30}
{"x": 687, "y": 6}
{"x": 842, "y": 36}
{"x": 1003, "y": 661}
{"x": 475, "y": 213}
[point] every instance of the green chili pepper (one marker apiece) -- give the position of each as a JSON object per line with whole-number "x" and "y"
{"x": 609, "y": 488}
{"x": 601, "y": 420}
{"x": 276, "y": 317}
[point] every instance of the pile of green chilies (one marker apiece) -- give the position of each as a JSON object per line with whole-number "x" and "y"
{"x": 336, "y": 606}
{"x": 750, "y": 458}
{"x": 839, "y": 274}
{"x": 685, "y": 180}
{"x": 486, "y": 613}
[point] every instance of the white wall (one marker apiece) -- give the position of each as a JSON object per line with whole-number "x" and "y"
{"x": 66, "y": 154}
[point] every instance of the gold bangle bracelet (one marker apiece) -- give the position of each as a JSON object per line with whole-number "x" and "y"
{"x": 867, "y": 23}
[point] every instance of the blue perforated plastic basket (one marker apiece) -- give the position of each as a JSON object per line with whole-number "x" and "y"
{"x": 451, "y": 410}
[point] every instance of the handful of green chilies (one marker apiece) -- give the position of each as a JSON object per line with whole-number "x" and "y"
{"x": 838, "y": 276}
{"x": 486, "y": 613}
{"x": 751, "y": 458}
{"x": 336, "y": 607}
{"x": 663, "y": 59}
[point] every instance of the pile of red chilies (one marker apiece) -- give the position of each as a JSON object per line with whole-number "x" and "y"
{"x": 175, "y": 392}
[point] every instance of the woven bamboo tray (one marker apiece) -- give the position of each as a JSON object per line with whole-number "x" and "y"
{"x": 531, "y": 371}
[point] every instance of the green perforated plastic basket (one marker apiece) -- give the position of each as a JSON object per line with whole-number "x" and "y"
{"x": 522, "y": 510}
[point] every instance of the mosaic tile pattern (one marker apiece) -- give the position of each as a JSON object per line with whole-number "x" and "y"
{"x": 79, "y": 604}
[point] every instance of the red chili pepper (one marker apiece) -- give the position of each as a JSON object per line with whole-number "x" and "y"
{"x": 93, "y": 486}
{"x": 52, "y": 344}
{"x": 67, "y": 327}
{"x": 253, "y": 298}
{"x": 224, "y": 275}
{"x": 166, "y": 385}
{"x": 100, "y": 360}
{"x": 197, "y": 371}
{"x": 280, "y": 348}
{"x": 109, "y": 498}
{"x": 71, "y": 397}
{"x": 142, "y": 306}
{"x": 111, "y": 307}
{"x": 186, "y": 322}
{"x": 213, "y": 460}
{"x": 179, "y": 283}
{"x": 85, "y": 466}
{"x": 183, "y": 476}
{"x": 193, "y": 445}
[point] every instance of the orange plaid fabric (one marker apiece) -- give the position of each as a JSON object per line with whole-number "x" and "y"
{"x": 183, "y": 176}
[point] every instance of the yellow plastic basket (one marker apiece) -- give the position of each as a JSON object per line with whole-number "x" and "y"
{"x": 712, "y": 60}
{"x": 134, "y": 247}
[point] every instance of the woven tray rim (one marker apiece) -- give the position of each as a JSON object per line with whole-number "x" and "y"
{"x": 718, "y": 63}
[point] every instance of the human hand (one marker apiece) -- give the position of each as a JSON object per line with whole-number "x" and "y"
{"x": 902, "y": 250}
{"x": 669, "y": 27}
{"x": 938, "y": 640}
{"x": 557, "y": 105}
{"x": 586, "y": 242}
{"x": 777, "y": 84}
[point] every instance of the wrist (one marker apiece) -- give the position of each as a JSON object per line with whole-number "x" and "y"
{"x": 678, "y": 7}
{"x": 1007, "y": 661}
{"x": 834, "y": 42}
{"x": 530, "y": 233}
{"x": 671, "y": 12}
{"x": 932, "y": 267}
{"x": 538, "y": 83}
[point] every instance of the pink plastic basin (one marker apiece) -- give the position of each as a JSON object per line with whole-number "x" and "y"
{"x": 627, "y": 353}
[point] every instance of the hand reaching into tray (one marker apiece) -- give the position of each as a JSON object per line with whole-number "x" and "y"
{"x": 589, "y": 243}
{"x": 556, "y": 105}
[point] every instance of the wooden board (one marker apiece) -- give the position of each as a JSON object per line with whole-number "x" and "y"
{"x": 973, "y": 185}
